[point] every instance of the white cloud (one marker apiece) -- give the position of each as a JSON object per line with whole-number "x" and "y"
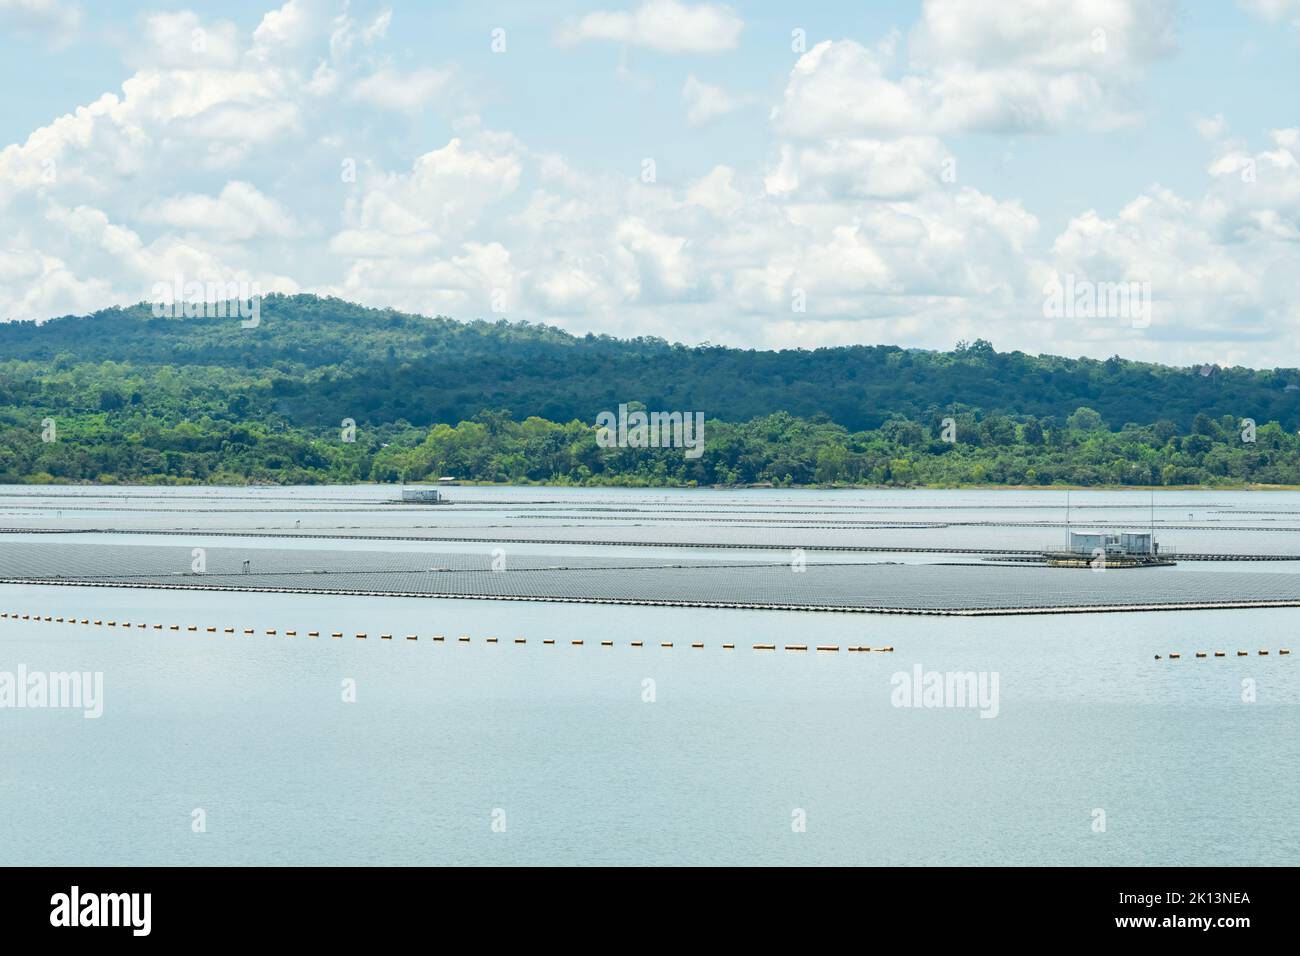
{"x": 877, "y": 249}
{"x": 1017, "y": 66}
{"x": 705, "y": 103}
{"x": 1274, "y": 11}
{"x": 378, "y": 28}
{"x": 664, "y": 25}
{"x": 1221, "y": 266}
{"x": 285, "y": 30}
{"x": 185, "y": 41}
{"x": 239, "y": 212}
{"x": 392, "y": 89}
{"x": 1210, "y": 127}
{"x": 53, "y": 20}
{"x": 860, "y": 168}
{"x": 1056, "y": 36}
{"x": 839, "y": 87}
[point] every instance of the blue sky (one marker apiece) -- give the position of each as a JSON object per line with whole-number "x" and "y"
{"x": 911, "y": 173}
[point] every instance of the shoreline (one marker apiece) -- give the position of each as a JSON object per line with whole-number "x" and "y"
{"x": 1247, "y": 486}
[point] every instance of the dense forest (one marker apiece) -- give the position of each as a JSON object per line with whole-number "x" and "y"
{"x": 124, "y": 396}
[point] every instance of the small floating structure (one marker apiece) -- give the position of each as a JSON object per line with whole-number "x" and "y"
{"x": 1125, "y": 549}
{"x": 422, "y": 496}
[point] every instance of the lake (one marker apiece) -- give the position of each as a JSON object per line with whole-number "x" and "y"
{"x": 301, "y": 750}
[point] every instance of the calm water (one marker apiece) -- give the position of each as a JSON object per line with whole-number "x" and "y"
{"x": 561, "y": 744}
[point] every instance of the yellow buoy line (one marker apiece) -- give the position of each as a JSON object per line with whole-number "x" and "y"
{"x": 440, "y": 638}
{"x": 1177, "y": 655}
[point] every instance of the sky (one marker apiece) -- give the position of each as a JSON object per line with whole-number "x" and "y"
{"x": 765, "y": 175}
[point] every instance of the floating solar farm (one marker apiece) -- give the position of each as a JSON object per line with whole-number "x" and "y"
{"x": 948, "y": 589}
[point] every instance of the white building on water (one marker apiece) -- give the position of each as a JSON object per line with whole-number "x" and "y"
{"x": 429, "y": 496}
{"x": 1123, "y": 542}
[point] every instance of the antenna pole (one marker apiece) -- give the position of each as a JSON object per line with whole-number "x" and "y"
{"x": 1068, "y": 542}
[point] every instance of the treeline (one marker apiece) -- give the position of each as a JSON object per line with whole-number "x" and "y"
{"x": 127, "y": 444}
{"x": 315, "y": 361}
{"x": 124, "y": 396}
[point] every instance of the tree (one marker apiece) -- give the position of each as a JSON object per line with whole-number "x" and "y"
{"x": 1085, "y": 419}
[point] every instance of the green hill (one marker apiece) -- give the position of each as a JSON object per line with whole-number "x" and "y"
{"x": 135, "y": 397}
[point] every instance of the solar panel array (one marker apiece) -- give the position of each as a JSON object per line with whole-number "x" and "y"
{"x": 839, "y": 586}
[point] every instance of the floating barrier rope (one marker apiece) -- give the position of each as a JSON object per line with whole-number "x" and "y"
{"x": 439, "y": 638}
{"x": 1177, "y": 655}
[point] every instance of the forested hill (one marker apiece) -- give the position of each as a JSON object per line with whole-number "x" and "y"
{"x": 321, "y": 390}
{"x": 314, "y": 361}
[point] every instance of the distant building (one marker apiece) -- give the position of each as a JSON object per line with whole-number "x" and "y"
{"x": 428, "y": 496}
{"x": 1124, "y": 542}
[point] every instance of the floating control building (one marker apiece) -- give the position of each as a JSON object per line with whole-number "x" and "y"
{"x": 1123, "y": 549}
